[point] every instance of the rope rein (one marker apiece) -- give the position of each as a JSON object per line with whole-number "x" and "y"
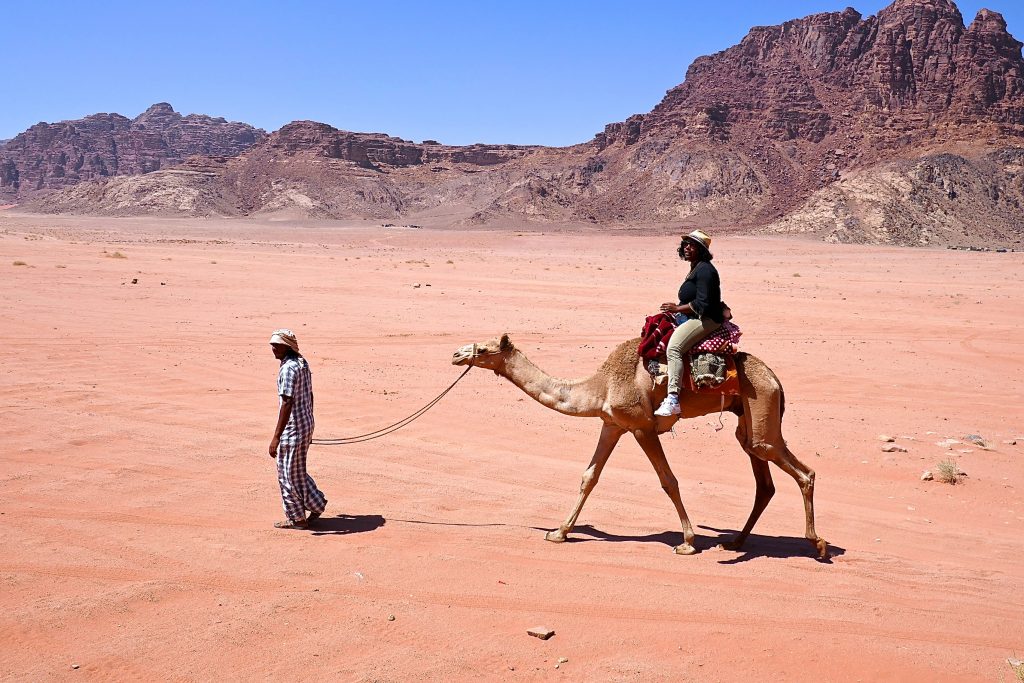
{"x": 384, "y": 431}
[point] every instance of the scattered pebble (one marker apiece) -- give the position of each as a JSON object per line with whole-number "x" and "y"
{"x": 391, "y": 617}
{"x": 542, "y": 632}
{"x": 135, "y": 280}
{"x": 966, "y": 450}
{"x": 927, "y": 476}
{"x": 893, "y": 448}
{"x": 563, "y": 660}
{"x": 948, "y": 443}
{"x": 74, "y": 666}
{"x": 885, "y": 437}
{"x": 1010, "y": 442}
{"x": 416, "y": 285}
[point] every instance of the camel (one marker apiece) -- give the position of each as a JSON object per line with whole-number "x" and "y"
{"x": 624, "y": 396}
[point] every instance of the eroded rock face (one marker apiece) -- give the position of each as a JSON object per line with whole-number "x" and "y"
{"x": 886, "y": 77}
{"x": 56, "y": 155}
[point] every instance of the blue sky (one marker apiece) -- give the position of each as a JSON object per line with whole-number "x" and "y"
{"x": 540, "y": 72}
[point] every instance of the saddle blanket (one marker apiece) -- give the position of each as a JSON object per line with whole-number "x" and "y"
{"x": 730, "y": 387}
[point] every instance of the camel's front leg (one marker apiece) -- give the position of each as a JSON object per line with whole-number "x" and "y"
{"x": 609, "y": 437}
{"x": 652, "y": 447}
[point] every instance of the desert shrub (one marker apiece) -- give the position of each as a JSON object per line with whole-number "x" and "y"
{"x": 947, "y": 472}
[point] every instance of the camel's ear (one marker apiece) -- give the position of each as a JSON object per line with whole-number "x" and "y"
{"x": 505, "y": 343}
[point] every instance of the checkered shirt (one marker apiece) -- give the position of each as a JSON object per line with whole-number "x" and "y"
{"x": 295, "y": 380}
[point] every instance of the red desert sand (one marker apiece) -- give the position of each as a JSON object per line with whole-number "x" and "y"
{"x": 137, "y": 499}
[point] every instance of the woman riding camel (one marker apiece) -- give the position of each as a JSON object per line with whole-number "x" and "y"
{"x": 698, "y": 313}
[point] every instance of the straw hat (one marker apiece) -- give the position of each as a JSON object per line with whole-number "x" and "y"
{"x": 701, "y": 239}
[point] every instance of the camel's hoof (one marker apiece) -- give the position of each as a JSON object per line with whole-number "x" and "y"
{"x": 684, "y": 549}
{"x": 554, "y": 537}
{"x": 731, "y": 545}
{"x": 822, "y": 545}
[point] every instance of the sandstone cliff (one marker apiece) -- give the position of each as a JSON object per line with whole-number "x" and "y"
{"x": 51, "y": 156}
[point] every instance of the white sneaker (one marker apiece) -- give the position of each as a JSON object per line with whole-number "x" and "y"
{"x": 668, "y": 407}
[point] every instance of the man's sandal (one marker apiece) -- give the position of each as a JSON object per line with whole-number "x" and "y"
{"x": 290, "y": 524}
{"x": 313, "y": 517}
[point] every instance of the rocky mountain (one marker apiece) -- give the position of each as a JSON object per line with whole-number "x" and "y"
{"x": 904, "y": 127}
{"x": 51, "y": 156}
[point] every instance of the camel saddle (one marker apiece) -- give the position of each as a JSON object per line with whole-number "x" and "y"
{"x": 704, "y": 373}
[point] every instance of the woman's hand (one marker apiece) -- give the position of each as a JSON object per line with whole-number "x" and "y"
{"x": 669, "y": 307}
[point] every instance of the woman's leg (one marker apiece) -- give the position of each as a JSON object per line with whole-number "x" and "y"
{"x": 684, "y": 338}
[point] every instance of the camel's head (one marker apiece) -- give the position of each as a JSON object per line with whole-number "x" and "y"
{"x": 490, "y": 355}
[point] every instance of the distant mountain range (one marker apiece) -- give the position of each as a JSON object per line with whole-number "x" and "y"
{"x": 52, "y": 156}
{"x": 906, "y": 127}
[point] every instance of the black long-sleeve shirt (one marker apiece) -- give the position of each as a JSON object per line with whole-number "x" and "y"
{"x": 703, "y": 291}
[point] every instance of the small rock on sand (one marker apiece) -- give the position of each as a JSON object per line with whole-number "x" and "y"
{"x": 542, "y": 632}
{"x": 893, "y": 448}
{"x": 885, "y": 437}
{"x": 927, "y": 476}
{"x": 1010, "y": 442}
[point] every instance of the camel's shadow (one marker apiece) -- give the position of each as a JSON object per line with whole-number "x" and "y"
{"x": 756, "y": 545}
{"x": 346, "y": 524}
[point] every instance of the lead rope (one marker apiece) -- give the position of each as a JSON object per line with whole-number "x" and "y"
{"x": 384, "y": 431}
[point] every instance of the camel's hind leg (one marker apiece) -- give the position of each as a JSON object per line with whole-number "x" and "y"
{"x": 652, "y": 447}
{"x": 778, "y": 453}
{"x": 763, "y": 480}
{"x": 804, "y": 477}
{"x": 610, "y": 435}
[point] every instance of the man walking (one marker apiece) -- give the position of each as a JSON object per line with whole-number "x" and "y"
{"x": 293, "y": 434}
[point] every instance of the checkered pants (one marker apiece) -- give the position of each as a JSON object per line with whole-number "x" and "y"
{"x": 298, "y": 490}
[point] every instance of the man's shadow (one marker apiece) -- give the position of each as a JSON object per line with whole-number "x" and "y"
{"x": 346, "y": 524}
{"x": 755, "y": 546}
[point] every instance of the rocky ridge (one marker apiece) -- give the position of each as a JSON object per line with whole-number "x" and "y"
{"x": 52, "y": 156}
{"x": 905, "y": 127}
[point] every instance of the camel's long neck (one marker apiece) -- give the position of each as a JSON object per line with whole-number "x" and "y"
{"x": 582, "y": 398}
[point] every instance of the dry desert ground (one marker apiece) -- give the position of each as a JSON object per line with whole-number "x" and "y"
{"x": 137, "y": 498}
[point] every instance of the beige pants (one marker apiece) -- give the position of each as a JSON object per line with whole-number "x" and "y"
{"x": 684, "y": 338}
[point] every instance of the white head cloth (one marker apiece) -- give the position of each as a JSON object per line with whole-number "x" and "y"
{"x": 285, "y": 337}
